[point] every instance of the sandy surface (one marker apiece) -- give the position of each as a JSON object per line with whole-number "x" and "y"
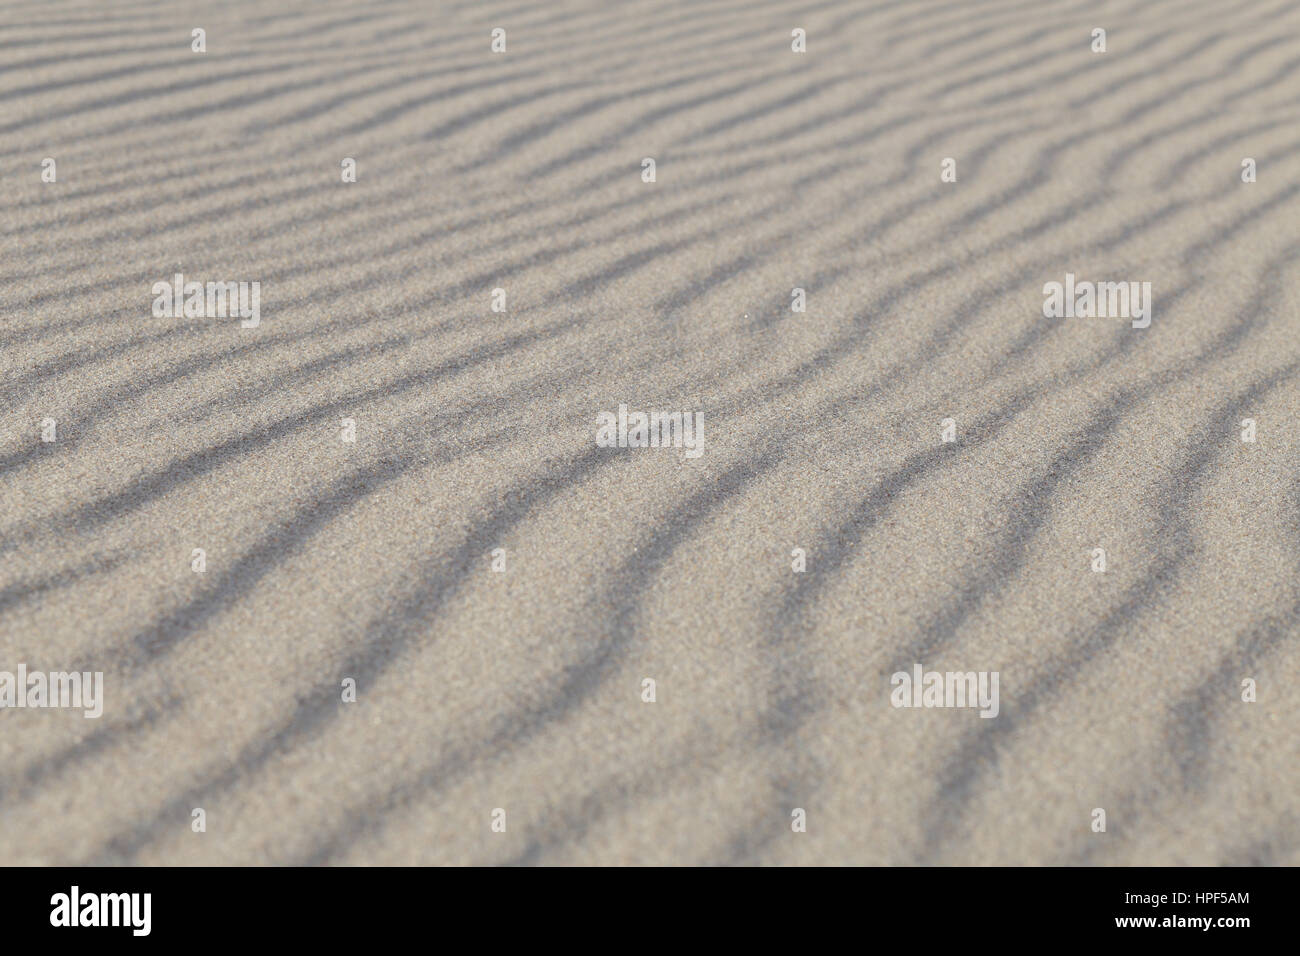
{"x": 522, "y": 689}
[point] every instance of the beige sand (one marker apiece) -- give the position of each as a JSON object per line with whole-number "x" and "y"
{"x": 475, "y": 431}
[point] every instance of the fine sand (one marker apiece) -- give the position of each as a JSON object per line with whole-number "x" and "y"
{"x": 475, "y": 431}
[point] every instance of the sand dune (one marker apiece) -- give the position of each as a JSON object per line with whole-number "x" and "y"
{"x": 371, "y": 560}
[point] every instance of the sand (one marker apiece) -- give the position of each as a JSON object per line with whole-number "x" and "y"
{"x": 521, "y": 690}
